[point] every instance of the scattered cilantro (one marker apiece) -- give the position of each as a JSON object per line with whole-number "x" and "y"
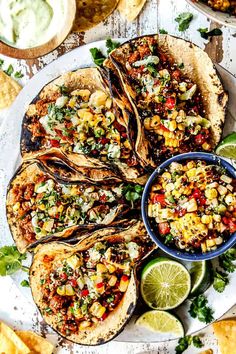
{"x": 97, "y": 55}
{"x": 25, "y": 283}
{"x": 152, "y": 70}
{"x": 220, "y": 281}
{"x": 63, "y": 90}
{"x": 132, "y": 192}
{"x": 1, "y": 62}
{"x": 206, "y": 34}
{"x": 181, "y": 66}
{"x": 18, "y": 75}
{"x": 199, "y": 309}
{"x": 186, "y": 341}
{"x": 168, "y": 239}
{"x": 111, "y": 45}
{"x": 9, "y": 70}
{"x": 184, "y": 20}
{"x": 226, "y": 260}
{"x": 162, "y": 31}
{"x": 11, "y": 260}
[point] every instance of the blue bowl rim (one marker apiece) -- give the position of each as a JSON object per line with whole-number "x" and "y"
{"x": 208, "y": 157}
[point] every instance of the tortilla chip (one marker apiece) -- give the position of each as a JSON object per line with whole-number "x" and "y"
{"x": 225, "y": 332}
{"x": 130, "y": 9}
{"x": 208, "y": 351}
{"x": 36, "y": 343}
{"x": 92, "y": 12}
{"x": 10, "y": 343}
{"x": 9, "y": 89}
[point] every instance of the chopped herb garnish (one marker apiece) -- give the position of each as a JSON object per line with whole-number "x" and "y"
{"x": 1, "y": 62}
{"x": 11, "y": 260}
{"x": 152, "y": 70}
{"x": 181, "y": 66}
{"x": 206, "y": 34}
{"x": 18, "y": 75}
{"x": 226, "y": 260}
{"x": 199, "y": 309}
{"x": 186, "y": 341}
{"x": 168, "y": 239}
{"x": 63, "y": 90}
{"x": 162, "y": 31}
{"x": 97, "y": 56}
{"x": 25, "y": 283}
{"x": 111, "y": 45}
{"x": 220, "y": 281}
{"x": 132, "y": 192}
{"x": 184, "y": 20}
{"x": 9, "y": 70}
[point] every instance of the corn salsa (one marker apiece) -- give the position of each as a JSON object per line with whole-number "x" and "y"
{"x": 192, "y": 205}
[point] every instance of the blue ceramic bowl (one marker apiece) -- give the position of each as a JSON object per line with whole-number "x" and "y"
{"x": 171, "y": 250}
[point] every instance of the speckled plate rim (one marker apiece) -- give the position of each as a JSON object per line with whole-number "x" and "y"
{"x": 10, "y": 157}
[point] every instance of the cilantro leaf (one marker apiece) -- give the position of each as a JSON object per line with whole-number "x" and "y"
{"x": 9, "y": 70}
{"x": 97, "y": 55}
{"x": 1, "y": 62}
{"x": 184, "y": 20}
{"x": 10, "y": 260}
{"x": 197, "y": 342}
{"x": 168, "y": 239}
{"x": 199, "y": 309}
{"x": 132, "y": 192}
{"x": 111, "y": 45}
{"x": 226, "y": 260}
{"x": 162, "y": 31}
{"x": 186, "y": 341}
{"x": 206, "y": 34}
{"x": 25, "y": 283}
{"x": 220, "y": 281}
{"x": 18, "y": 75}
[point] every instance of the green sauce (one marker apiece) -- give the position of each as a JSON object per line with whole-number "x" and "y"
{"x": 29, "y": 23}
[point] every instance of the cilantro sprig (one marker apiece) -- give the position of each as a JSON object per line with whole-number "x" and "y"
{"x": 132, "y": 192}
{"x": 10, "y": 70}
{"x": 186, "y": 341}
{"x": 206, "y": 34}
{"x": 199, "y": 309}
{"x": 220, "y": 281}
{"x": 184, "y": 20}
{"x": 226, "y": 260}
{"x": 11, "y": 260}
{"x": 98, "y": 56}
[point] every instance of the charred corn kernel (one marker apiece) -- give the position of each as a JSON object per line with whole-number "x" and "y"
{"x": 73, "y": 190}
{"x": 226, "y": 179}
{"x": 206, "y": 219}
{"x": 69, "y": 291}
{"x": 60, "y": 208}
{"x": 74, "y": 261}
{"x": 16, "y": 206}
{"x": 82, "y": 136}
{"x": 191, "y": 164}
{"x": 84, "y": 325}
{"x": 111, "y": 268}
{"x": 166, "y": 175}
{"x": 211, "y": 193}
{"x": 77, "y": 313}
{"x": 181, "y": 126}
{"x": 48, "y": 225}
{"x": 192, "y": 205}
{"x": 171, "y": 142}
{"x": 85, "y": 114}
{"x": 172, "y": 125}
{"x": 206, "y": 146}
{"x": 61, "y": 290}
{"x": 216, "y": 217}
{"x": 123, "y": 284}
{"x": 191, "y": 173}
{"x": 98, "y": 98}
{"x": 101, "y": 268}
{"x": 155, "y": 120}
{"x": 127, "y": 144}
{"x": 112, "y": 281}
{"x": 218, "y": 240}
{"x": 97, "y": 309}
{"x": 203, "y": 247}
{"x": 84, "y": 94}
{"x": 147, "y": 123}
{"x": 210, "y": 243}
{"x": 230, "y": 199}
{"x": 174, "y": 114}
{"x": 72, "y": 102}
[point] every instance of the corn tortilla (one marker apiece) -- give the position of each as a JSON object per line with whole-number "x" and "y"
{"x": 130, "y": 9}
{"x": 9, "y": 90}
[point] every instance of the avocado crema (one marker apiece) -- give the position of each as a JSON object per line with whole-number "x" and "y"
{"x": 26, "y": 23}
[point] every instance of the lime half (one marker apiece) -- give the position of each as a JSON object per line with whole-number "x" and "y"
{"x": 227, "y": 147}
{"x": 162, "y": 322}
{"x": 200, "y": 276}
{"x": 165, "y": 283}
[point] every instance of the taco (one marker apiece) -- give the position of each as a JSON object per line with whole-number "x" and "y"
{"x": 41, "y": 209}
{"x": 88, "y": 292}
{"x": 76, "y": 115}
{"x": 175, "y": 92}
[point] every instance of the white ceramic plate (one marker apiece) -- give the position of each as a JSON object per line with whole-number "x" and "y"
{"x": 223, "y": 18}
{"x": 10, "y": 160}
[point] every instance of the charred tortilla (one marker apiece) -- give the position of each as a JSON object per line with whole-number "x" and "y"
{"x": 76, "y": 115}
{"x": 40, "y": 208}
{"x": 92, "y": 306}
{"x": 175, "y": 92}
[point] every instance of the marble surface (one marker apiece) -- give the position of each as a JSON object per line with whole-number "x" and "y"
{"x": 17, "y": 309}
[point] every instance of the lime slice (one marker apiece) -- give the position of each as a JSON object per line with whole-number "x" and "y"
{"x": 200, "y": 276}
{"x": 165, "y": 283}
{"x": 227, "y": 147}
{"x": 162, "y": 322}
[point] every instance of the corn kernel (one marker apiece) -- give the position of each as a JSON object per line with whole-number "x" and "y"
{"x": 226, "y": 179}
{"x": 147, "y": 123}
{"x": 84, "y": 325}
{"x": 98, "y": 98}
{"x": 203, "y": 247}
{"x": 112, "y": 281}
{"x": 60, "y": 208}
{"x": 97, "y": 309}
{"x": 166, "y": 176}
{"x": 211, "y": 193}
{"x": 206, "y": 146}
{"x": 16, "y": 206}
{"x": 111, "y": 268}
{"x": 172, "y": 125}
{"x": 230, "y": 199}
{"x": 210, "y": 243}
{"x": 155, "y": 120}
{"x": 206, "y": 219}
{"x": 101, "y": 268}
{"x": 217, "y": 217}
{"x": 222, "y": 190}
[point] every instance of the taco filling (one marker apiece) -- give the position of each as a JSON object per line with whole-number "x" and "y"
{"x": 85, "y": 288}
{"x": 169, "y": 104}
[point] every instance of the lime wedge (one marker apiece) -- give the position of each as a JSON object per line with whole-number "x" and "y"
{"x": 162, "y": 322}
{"x": 200, "y": 276}
{"x": 227, "y": 147}
{"x": 165, "y": 283}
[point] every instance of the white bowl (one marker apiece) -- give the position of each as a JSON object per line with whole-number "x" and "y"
{"x": 221, "y": 17}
